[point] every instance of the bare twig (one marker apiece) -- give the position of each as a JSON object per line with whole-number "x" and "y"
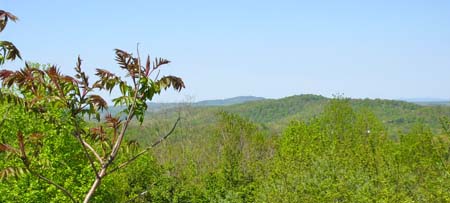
{"x": 167, "y": 135}
{"x": 115, "y": 148}
{"x": 64, "y": 190}
{"x": 26, "y": 162}
{"x": 140, "y": 194}
{"x": 111, "y": 156}
{"x": 146, "y": 149}
{"x": 138, "y": 57}
{"x": 157, "y": 75}
{"x": 93, "y": 151}
{"x": 77, "y": 135}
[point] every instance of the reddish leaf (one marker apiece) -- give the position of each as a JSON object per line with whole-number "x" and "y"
{"x": 69, "y": 79}
{"x": 159, "y": 62}
{"x": 102, "y": 73}
{"x": 171, "y": 81}
{"x": 12, "y": 172}
{"x": 112, "y": 121}
{"x": 4, "y": 74}
{"x": 4, "y": 17}
{"x": 147, "y": 66}
{"x": 21, "y": 144}
{"x": 98, "y": 101}
{"x": 36, "y": 136}
{"x": 6, "y": 147}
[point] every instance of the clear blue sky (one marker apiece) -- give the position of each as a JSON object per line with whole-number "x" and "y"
{"x": 375, "y": 49}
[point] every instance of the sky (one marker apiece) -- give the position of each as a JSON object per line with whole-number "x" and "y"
{"x": 273, "y": 49}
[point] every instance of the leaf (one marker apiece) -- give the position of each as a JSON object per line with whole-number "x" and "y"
{"x": 13, "y": 52}
{"x": 84, "y": 79}
{"x": 113, "y": 122}
{"x": 10, "y": 52}
{"x": 131, "y": 146}
{"x": 171, "y": 81}
{"x": 70, "y": 79}
{"x": 122, "y": 58}
{"x": 8, "y": 148}
{"x": 21, "y": 145}
{"x": 97, "y": 133}
{"x": 102, "y": 73}
{"x": 10, "y": 172}
{"x": 98, "y": 101}
{"x": 36, "y": 136}
{"x": 107, "y": 80}
{"x": 4, "y": 17}
{"x": 53, "y": 72}
{"x": 4, "y": 74}
{"x": 147, "y": 66}
{"x": 159, "y": 62}
{"x": 11, "y": 98}
{"x": 123, "y": 87}
{"x": 78, "y": 68}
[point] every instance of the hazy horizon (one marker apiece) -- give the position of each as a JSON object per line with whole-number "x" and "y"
{"x": 383, "y": 49}
{"x": 413, "y": 100}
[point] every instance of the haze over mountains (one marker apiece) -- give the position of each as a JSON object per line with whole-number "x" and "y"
{"x": 276, "y": 114}
{"x": 244, "y": 99}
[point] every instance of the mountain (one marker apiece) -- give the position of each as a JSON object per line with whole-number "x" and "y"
{"x": 428, "y": 101}
{"x": 425, "y": 99}
{"x": 276, "y": 114}
{"x": 155, "y": 106}
{"x": 229, "y": 101}
{"x": 434, "y": 103}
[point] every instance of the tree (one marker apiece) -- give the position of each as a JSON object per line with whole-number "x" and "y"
{"x": 44, "y": 91}
{"x": 7, "y": 49}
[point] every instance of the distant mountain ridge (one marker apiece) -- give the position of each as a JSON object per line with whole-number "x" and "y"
{"x": 428, "y": 101}
{"x": 425, "y": 99}
{"x": 229, "y": 101}
{"x": 155, "y": 106}
{"x": 278, "y": 113}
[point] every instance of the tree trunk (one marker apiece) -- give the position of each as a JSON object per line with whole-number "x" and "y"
{"x": 95, "y": 185}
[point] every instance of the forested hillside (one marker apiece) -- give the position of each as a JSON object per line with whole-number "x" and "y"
{"x": 397, "y": 116}
{"x": 340, "y": 151}
{"x": 330, "y": 150}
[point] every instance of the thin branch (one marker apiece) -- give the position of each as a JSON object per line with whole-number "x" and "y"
{"x": 139, "y": 58}
{"x": 140, "y": 194}
{"x": 115, "y": 148}
{"x": 26, "y": 162}
{"x": 80, "y": 108}
{"x": 77, "y": 135}
{"x": 167, "y": 135}
{"x": 125, "y": 125}
{"x": 93, "y": 151}
{"x": 146, "y": 149}
{"x": 139, "y": 69}
{"x": 157, "y": 75}
{"x": 67, "y": 193}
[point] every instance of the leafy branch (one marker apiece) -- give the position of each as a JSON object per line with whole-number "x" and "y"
{"x": 8, "y": 51}
{"x": 124, "y": 164}
{"x": 21, "y": 152}
{"x": 36, "y": 89}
